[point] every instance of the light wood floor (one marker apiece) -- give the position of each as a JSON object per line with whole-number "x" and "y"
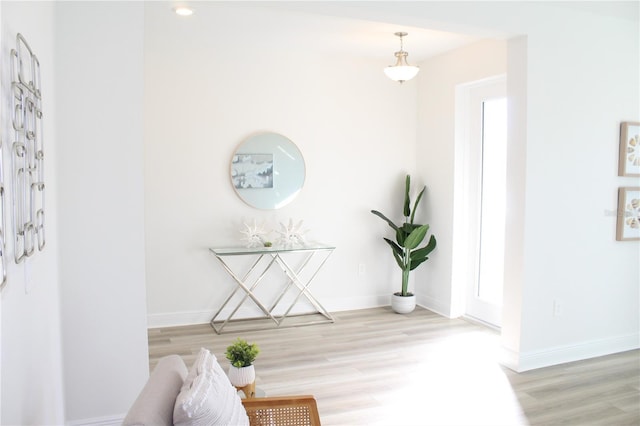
{"x": 374, "y": 367}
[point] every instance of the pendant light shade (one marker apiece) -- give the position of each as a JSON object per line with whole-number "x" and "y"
{"x": 401, "y": 71}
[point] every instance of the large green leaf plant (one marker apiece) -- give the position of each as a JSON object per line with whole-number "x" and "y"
{"x": 409, "y": 236}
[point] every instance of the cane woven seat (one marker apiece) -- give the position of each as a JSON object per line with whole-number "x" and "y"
{"x": 282, "y": 411}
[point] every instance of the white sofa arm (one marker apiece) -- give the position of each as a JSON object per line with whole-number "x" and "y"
{"x": 154, "y": 405}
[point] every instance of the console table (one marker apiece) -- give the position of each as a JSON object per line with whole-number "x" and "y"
{"x": 265, "y": 259}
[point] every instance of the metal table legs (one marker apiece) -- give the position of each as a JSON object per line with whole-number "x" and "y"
{"x": 294, "y": 283}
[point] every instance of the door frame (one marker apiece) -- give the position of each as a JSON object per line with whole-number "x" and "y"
{"x": 467, "y": 194}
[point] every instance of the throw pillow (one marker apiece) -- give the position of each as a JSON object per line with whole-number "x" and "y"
{"x": 210, "y": 400}
{"x": 202, "y": 362}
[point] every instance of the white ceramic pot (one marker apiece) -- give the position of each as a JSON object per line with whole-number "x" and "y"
{"x": 403, "y": 304}
{"x": 242, "y": 376}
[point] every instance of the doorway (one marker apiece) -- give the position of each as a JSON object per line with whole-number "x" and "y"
{"x": 485, "y": 171}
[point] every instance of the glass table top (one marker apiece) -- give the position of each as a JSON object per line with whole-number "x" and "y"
{"x": 233, "y": 251}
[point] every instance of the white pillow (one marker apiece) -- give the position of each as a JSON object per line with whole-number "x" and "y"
{"x": 203, "y": 362}
{"x": 208, "y": 364}
{"x": 210, "y": 400}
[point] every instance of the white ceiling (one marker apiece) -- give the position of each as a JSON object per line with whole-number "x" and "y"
{"x": 330, "y": 34}
{"x": 319, "y": 26}
{"x": 627, "y": 9}
{"x": 370, "y": 39}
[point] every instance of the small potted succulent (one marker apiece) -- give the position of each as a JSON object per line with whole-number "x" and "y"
{"x": 241, "y": 355}
{"x": 406, "y": 248}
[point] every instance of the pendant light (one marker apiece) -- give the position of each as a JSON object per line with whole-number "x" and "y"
{"x": 401, "y": 71}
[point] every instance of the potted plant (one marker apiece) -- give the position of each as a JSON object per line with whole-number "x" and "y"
{"x": 406, "y": 248}
{"x": 242, "y": 355}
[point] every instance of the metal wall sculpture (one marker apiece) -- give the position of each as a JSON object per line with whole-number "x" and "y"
{"x": 27, "y": 156}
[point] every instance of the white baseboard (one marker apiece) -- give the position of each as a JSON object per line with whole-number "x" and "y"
{"x": 509, "y": 359}
{"x": 178, "y": 318}
{"x": 173, "y": 319}
{"x": 99, "y": 421}
{"x": 356, "y": 303}
{"x": 434, "y": 305}
{"x": 562, "y": 354}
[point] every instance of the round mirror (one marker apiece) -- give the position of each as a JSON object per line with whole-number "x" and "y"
{"x": 267, "y": 171}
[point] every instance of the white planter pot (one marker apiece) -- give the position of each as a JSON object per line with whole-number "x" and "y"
{"x": 242, "y": 376}
{"x": 403, "y": 304}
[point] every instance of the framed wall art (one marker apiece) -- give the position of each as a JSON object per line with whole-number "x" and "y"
{"x": 629, "y": 162}
{"x": 628, "y": 227}
{"x": 252, "y": 171}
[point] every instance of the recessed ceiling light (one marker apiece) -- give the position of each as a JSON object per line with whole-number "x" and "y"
{"x": 183, "y": 11}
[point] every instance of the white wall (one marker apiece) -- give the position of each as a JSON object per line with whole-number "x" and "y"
{"x": 219, "y": 76}
{"x": 32, "y": 380}
{"x": 582, "y": 82}
{"x": 514, "y": 258}
{"x": 99, "y": 53}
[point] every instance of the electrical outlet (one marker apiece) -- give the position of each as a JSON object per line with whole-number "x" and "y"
{"x": 361, "y": 269}
{"x": 557, "y": 308}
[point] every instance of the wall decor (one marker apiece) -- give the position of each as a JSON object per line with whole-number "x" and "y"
{"x": 628, "y": 227}
{"x": 255, "y": 235}
{"x": 629, "y": 162}
{"x": 252, "y": 171}
{"x": 291, "y": 235}
{"x": 267, "y": 171}
{"x": 27, "y": 155}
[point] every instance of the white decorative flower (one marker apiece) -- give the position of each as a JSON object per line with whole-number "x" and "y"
{"x": 254, "y": 236}
{"x": 291, "y": 235}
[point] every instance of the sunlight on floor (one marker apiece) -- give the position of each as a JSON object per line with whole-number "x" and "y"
{"x": 372, "y": 367}
{"x": 457, "y": 382}
{"x": 461, "y": 383}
